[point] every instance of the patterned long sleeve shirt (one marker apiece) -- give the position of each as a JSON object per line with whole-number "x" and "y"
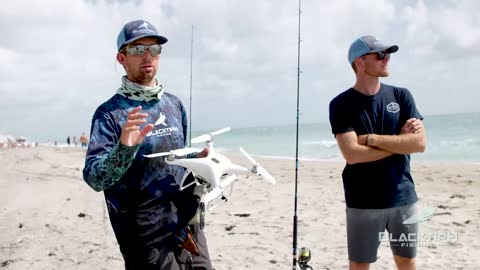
{"x": 142, "y": 196}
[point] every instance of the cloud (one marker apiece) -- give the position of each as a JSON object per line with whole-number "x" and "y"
{"x": 57, "y": 58}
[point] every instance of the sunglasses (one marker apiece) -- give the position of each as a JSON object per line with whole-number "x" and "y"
{"x": 154, "y": 49}
{"x": 381, "y": 55}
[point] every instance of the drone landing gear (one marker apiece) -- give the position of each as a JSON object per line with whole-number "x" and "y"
{"x": 185, "y": 176}
{"x": 199, "y": 218}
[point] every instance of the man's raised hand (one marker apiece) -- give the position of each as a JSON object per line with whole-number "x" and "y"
{"x": 131, "y": 133}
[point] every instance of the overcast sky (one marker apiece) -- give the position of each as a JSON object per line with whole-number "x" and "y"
{"x": 57, "y": 58}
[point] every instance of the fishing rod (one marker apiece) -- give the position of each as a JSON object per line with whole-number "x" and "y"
{"x": 191, "y": 72}
{"x": 305, "y": 254}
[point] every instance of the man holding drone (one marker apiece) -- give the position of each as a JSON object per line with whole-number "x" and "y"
{"x": 148, "y": 213}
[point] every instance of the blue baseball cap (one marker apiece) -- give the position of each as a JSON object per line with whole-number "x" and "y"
{"x": 368, "y": 44}
{"x": 136, "y": 30}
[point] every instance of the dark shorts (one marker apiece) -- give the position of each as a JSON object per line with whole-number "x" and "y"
{"x": 366, "y": 230}
{"x": 167, "y": 258}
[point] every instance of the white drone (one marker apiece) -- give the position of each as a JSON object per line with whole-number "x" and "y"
{"x": 214, "y": 172}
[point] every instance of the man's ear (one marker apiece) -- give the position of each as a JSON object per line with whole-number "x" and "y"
{"x": 358, "y": 62}
{"x": 121, "y": 58}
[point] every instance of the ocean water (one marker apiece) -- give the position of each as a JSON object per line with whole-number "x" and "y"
{"x": 453, "y": 137}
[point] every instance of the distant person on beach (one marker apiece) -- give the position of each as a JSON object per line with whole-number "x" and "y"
{"x": 151, "y": 218}
{"x": 68, "y": 141}
{"x": 84, "y": 140}
{"x": 377, "y": 127}
{"x": 75, "y": 141}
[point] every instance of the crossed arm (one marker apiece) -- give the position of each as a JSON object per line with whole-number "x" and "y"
{"x": 372, "y": 147}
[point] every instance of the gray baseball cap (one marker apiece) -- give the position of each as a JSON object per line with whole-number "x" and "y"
{"x": 368, "y": 44}
{"x": 136, "y": 30}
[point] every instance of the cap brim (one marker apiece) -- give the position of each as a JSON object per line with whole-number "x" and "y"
{"x": 392, "y": 49}
{"x": 388, "y": 49}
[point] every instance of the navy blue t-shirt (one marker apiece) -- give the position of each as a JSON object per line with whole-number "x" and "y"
{"x": 386, "y": 182}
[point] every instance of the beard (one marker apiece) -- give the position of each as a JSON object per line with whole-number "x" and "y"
{"x": 138, "y": 73}
{"x": 383, "y": 73}
{"x": 377, "y": 72}
{"x": 146, "y": 75}
{"x": 143, "y": 76}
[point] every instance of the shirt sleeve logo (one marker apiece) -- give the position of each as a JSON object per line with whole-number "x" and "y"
{"x": 393, "y": 107}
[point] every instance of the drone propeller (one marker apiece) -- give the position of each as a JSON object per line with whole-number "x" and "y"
{"x": 178, "y": 152}
{"x": 184, "y": 151}
{"x": 162, "y": 154}
{"x": 208, "y": 136}
{"x": 260, "y": 170}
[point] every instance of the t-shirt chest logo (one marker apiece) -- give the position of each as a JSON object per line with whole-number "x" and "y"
{"x": 161, "y": 127}
{"x": 393, "y": 107}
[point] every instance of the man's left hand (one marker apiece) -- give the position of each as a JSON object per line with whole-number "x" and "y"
{"x": 412, "y": 125}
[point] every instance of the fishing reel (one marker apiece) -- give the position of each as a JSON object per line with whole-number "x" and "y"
{"x": 303, "y": 258}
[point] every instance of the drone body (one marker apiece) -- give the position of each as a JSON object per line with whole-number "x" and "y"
{"x": 210, "y": 168}
{"x": 213, "y": 173}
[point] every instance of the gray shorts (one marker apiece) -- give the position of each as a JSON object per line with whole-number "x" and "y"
{"x": 366, "y": 230}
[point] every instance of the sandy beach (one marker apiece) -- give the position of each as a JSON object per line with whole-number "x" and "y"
{"x": 50, "y": 219}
